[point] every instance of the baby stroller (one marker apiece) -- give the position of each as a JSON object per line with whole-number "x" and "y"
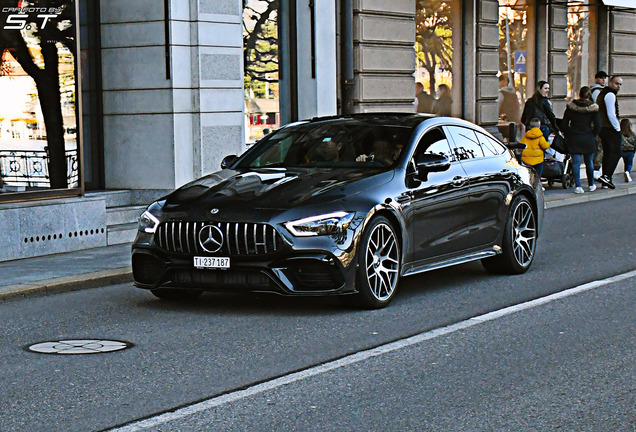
{"x": 555, "y": 170}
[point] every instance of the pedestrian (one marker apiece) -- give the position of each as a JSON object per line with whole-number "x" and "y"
{"x": 509, "y": 106}
{"x": 539, "y": 106}
{"x": 610, "y": 134}
{"x": 599, "y": 83}
{"x": 581, "y": 124}
{"x": 535, "y": 145}
{"x": 629, "y": 144}
{"x": 424, "y": 100}
{"x": 443, "y": 104}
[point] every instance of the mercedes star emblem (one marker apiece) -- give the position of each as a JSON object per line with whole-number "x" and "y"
{"x": 211, "y": 238}
{"x": 214, "y": 211}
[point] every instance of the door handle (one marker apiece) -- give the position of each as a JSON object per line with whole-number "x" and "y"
{"x": 405, "y": 197}
{"x": 458, "y": 181}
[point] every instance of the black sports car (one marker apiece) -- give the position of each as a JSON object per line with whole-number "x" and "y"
{"x": 344, "y": 205}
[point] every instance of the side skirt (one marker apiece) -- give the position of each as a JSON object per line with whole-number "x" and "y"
{"x": 473, "y": 256}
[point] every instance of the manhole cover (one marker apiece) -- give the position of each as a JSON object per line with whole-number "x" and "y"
{"x": 79, "y": 346}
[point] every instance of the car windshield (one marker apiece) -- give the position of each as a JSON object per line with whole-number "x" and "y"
{"x": 349, "y": 143}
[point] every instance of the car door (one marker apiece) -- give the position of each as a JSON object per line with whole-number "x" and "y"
{"x": 436, "y": 208}
{"x": 490, "y": 182}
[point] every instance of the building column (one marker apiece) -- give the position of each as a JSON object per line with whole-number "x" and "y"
{"x": 384, "y": 58}
{"x": 486, "y": 84}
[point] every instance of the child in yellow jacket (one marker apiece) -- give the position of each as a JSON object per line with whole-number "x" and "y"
{"x": 535, "y": 145}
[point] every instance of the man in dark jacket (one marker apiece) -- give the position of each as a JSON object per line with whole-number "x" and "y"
{"x": 610, "y": 129}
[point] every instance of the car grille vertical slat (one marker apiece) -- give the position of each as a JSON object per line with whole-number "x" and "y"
{"x": 227, "y": 236}
{"x": 265, "y": 237}
{"x": 247, "y": 249}
{"x": 187, "y": 236}
{"x": 183, "y": 237}
{"x": 236, "y": 238}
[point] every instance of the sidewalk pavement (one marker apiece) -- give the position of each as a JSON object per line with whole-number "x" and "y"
{"x": 91, "y": 268}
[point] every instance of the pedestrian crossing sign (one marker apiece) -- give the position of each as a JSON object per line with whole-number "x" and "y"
{"x": 520, "y": 62}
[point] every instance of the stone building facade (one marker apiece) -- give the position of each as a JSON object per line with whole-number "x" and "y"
{"x": 170, "y": 86}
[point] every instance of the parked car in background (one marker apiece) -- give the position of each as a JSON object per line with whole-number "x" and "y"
{"x": 343, "y": 206}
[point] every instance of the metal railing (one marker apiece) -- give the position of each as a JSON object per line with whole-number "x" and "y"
{"x": 30, "y": 168}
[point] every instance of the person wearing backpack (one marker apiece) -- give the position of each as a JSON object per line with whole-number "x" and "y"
{"x": 581, "y": 124}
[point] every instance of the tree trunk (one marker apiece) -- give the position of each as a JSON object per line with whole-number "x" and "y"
{"x": 50, "y": 102}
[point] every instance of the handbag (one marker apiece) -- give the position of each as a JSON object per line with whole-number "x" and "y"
{"x": 558, "y": 144}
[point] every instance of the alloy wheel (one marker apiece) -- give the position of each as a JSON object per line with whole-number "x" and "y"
{"x": 382, "y": 262}
{"x": 524, "y": 234}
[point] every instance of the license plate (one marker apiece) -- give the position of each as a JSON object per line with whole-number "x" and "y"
{"x": 212, "y": 262}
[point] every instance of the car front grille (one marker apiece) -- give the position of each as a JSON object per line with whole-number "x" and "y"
{"x": 239, "y": 238}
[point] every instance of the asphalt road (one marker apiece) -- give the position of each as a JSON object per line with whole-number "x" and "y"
{"x": 565, "y": 365}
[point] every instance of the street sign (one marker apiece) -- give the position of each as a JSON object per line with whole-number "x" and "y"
{"x": 520, "y": 62}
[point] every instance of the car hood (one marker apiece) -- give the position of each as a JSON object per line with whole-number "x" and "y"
{"x": 275, "y": 188}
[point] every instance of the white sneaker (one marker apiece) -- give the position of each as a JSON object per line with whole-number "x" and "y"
{"x": 597, "y": 174}
{"x": 578, "y": 190}
{"x": 592, "y": 188}
{"x": 628, "y": 178}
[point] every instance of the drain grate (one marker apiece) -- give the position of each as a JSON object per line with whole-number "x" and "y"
{"x": 79, "y": 346}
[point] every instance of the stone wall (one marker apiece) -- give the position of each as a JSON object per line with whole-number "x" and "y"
{"x": 622, "y": 46}
{"x": 384, "y": 58}
{"x": 170, "y": 118}
{"x": 137, "y": 96}
{"x": 52, "y": 226}
{"x": 485, "y": 39}
{"x": 557, "y": 59}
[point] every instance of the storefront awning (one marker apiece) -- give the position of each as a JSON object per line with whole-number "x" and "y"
{"x": 621, "y": 3}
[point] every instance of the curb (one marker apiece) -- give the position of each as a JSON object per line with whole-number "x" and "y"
{"x": 67, "y": 284}
{"x": 600, "y": 194}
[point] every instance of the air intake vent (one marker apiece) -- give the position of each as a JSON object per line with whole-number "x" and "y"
{"x": 239, "y": 238}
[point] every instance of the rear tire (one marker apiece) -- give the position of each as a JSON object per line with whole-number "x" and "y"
{"x": 172, "y": 294}
{"x": 379, "y": 263}
{"x": 519, "y": 240}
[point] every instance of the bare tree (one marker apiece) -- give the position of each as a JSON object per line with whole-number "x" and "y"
{"x": 260, "y": 41}
{"x": 433, "y": 37}
{"x": 49, "y": 31}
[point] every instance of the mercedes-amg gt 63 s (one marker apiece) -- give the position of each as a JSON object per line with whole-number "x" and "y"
{"x": 343, "y": 206}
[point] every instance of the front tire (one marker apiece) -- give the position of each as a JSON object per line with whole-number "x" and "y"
{"x": 379, "y": 261}
{"x": 519, "y": 240}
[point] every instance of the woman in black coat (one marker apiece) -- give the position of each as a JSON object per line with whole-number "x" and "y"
{"x": 539, "y": 106}
{"x": 581, "y": 123}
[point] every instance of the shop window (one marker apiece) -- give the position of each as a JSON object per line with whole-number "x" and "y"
{"x": 516, "y": 57}
{"x": 38, "y": 114}
{"x": 261, "y": 62}
{"x": 581, "y": 47}
{"x": 438, "y": 53}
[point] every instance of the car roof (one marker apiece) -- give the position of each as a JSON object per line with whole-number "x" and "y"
{"x": 379, "y": 118}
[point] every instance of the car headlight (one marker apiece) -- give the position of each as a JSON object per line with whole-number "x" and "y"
{"x": 326, "y": 224}
{"x": 148, "y": 222}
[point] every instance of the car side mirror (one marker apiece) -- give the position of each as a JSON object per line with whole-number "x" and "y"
{"x": 427, "y": 163}
{"x": 228, "y": 160}
{"x": 515, "y": 145}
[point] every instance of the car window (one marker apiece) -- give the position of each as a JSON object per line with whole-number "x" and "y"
{"x": 330, "y": 144}
{"x": 490, "y": 146}
{"x": 434, "y": 142}
{"x": 466, "y": 144}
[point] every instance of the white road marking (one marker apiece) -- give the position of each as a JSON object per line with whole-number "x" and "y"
{"x": 214, "y": 402}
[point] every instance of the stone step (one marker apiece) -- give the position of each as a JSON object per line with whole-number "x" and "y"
{"x": 121, "y": 233}
{"x": 123, "y": 214}
{"x": 114, "y": 198}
